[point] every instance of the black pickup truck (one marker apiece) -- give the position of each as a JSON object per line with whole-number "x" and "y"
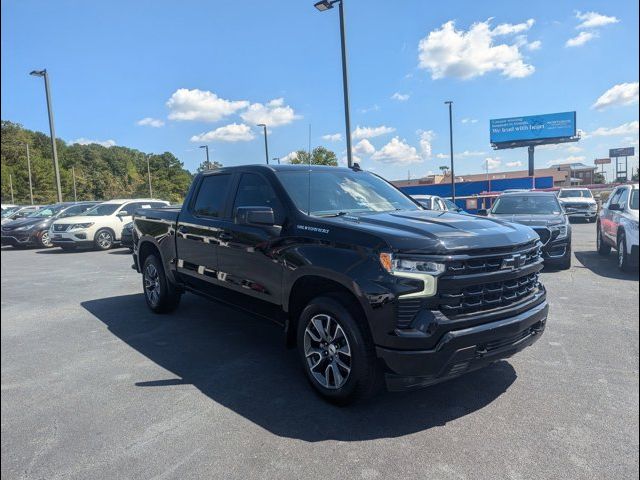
{"x": 367, "y": 284}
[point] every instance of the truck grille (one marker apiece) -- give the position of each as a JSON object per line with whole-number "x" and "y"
{"x": 60, "y": 227}
{"x": 488, "y": 296}
{"x": 576, "y": 206}
{"x": 546, "y": 235}
{"x": 479, "y": 282}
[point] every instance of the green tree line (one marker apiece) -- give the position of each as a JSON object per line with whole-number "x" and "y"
{"x": 102, "y": 173}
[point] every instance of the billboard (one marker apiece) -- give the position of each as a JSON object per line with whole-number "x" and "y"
{"x": 536, "y": 127}
{"x": 602, "y": 161}
{"x": 622, "y": 152}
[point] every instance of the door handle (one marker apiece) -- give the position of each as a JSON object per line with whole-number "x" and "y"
{"x": 182, "y": 229}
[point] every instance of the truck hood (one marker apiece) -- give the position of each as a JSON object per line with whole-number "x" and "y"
{"x": 588, "y": 201}
{"x": 532, "y": 220}
{"x": 438, "y": 232}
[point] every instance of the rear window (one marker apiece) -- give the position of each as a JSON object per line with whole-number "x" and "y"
{"x": 211, "y": 195}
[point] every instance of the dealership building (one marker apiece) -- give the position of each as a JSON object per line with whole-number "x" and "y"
{"x": 564, "y": 175}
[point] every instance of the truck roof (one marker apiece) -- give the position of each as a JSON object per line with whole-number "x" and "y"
{"x": 279, "y": 168}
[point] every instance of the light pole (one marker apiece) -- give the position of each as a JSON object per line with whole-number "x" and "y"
{"x": 266, "y": 146}
{"x": 276, "y": 159}
{"x": 206, "y": 149}
{"x": 453, "y": 176}
{"x": 11, "y": 188}
{"x": 149, "y": 174}
{"x": 73, "y": 174}
{"x": 43, "y": 73}
{"x": 322, "y": 6}
{"x": 29, "y": 170}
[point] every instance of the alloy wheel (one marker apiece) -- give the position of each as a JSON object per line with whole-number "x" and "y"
{"x": 152, "y": 284}
{"x": 327, "y": 351}
{"x": 104, "y": 240}
{"x": 45, "y": 239}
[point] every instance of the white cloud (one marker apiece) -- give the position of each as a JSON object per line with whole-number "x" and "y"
{"x": 593, "y": 20}
{"x": 514, "y": 164}
{"x": 535, "y": 45}
{"x": 469, "y": 153}
{"x": 87, "y": 141}
{"x": 332, "y": 137}
{"x": 370, "y": 132}
{"x": 442, "y": 156}
{"x": 581, "y": 39}
{"x": 447, "y": 52}
{"x": 364, "y": 147}
{"x": 401, "y": 97}
{"x": 618, "y": 95}
{"x": 469, "y": 120}
{"x": 288, "y": 157}
{"x": 229, "y": 133}
{"x": 372, "y": 108}
{"x": 273, "y": 114}
{"x": 573, "y": 149}
{"x": 201, "y": 105}
{"x": 629, "y": 128}
{"x": 397, "y": 152}
{"x": 426, "y": 137}
{"x": 491, "y": 163}
{"x": 150, "y": 122}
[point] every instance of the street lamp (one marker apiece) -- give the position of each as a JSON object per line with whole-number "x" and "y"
{"x": 45, "y": 75}
{"x": 453, "y": 176}
{"x": 266, "y": 146}
{"x": 322, "y": 6}
{"x": 206, "y": 148}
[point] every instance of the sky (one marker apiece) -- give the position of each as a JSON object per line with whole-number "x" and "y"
{"x": 171, "y": 76}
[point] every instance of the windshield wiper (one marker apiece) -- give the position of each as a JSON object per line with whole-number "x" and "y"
{"x": 337, "y": 214}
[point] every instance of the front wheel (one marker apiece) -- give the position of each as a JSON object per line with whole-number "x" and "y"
{"x": 161, "y": 296}
{"x": 103, "y": 239}
{"x": 336, "y": 350}
{"x": 44, "y": 239}
{"x": 602, "y": 247}
{"x": 624, "y": 259}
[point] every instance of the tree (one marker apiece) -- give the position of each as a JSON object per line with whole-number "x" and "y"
{"x": 598, "y": 178}
{"x": 203, "y": 167}
{"x": 444, "y": 169}
{"x": 319, "y": 156}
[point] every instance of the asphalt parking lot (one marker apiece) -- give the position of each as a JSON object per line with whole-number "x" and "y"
{"x": 94, "y": 386}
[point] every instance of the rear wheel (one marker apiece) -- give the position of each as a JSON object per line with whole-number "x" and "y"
{"x": 161, "y": 296}
{"x": 336, "y": 350}
{"x": 602, "y": 247}
{"x": 103, "y": 239}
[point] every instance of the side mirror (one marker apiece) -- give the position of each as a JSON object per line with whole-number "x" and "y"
{"x": 122, "y": 213}
{"x": 483, "y": 212}
{"x": 255, "y": 216}
{"x": 615, "y": 207}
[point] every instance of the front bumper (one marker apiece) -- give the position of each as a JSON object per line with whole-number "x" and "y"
{"x": 464, "y": 350}
{"x": 556, "y": 250}
{"x": 78, "y": 238}
{"x": 587, "y": 214}
{"x": 18, "y": 238}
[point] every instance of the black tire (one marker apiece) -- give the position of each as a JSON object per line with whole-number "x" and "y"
{"x": 362, "y": 380}
{"x": 104, "y": 239}
{"x": 161, "y": 296}
{"x": 44, "y": 240}
{"x": 625, "y": 262}
{"x": 601, "y": 245}
{"x": 565, "y": 263}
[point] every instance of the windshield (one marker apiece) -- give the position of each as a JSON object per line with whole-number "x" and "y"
{"x": 9, "y": 211}
{"x": 576, "y": 194}
{"x": 425, "y": 202}
{"x": 330, "y": 193}
{"x": 102, "y": 210}
{"x": 633, "y": 205}
{"x": 450, "y": 205}
{"x": 46, "y": 212}
{"x": 527, "y": 205}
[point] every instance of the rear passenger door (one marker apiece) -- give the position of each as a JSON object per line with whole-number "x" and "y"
{"x": 247, "y": 260}
{"x": 198, "y": 230}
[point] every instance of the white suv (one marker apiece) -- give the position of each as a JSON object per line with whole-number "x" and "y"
{"x": 618, "y": 226}
{"x": 578, "y": 203}
{"x": 100, "y": 227}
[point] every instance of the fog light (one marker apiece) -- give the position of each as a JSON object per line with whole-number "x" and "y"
{"x": 81, "y": 236}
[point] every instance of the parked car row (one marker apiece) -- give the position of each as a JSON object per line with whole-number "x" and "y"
{"x": 70, "y": 225}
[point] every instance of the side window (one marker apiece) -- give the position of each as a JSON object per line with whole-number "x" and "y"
{"x": 615, "y": 196}
{"x": 624, "y": 197}
{"x": 130, "y": 208}
{"x": 157, "y": 205}
{"x": 77, "y": 210}
{"x": 211, "y": 196}
{"x": 255, "y": 191}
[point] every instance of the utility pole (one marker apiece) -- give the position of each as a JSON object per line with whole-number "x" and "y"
{"x": 206, "y": 149}
{"x": 266, "y": 145}
{"x": 149, "y": 175}
{"x": 43, "y": 73}
{"x": 29, "y": 170}
{"x": 453, "y": 176}
{"x": 73, "y": 173}
{"x": 11, "y": 188}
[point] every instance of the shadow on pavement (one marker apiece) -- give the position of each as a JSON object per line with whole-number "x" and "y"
{"x": 605, "y": 266}
{"x": 241, "y": 362}
{"x": 60, "y": 251}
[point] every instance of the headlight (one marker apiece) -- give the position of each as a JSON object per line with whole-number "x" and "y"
{"x": 563, "y": 231}
{"x": 424, "y": 270}
{"x": 80, "y": 226}
{"x": 593, "y": 207}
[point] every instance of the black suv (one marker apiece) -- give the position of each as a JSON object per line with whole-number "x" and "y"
{"x": 366, "y": 283}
